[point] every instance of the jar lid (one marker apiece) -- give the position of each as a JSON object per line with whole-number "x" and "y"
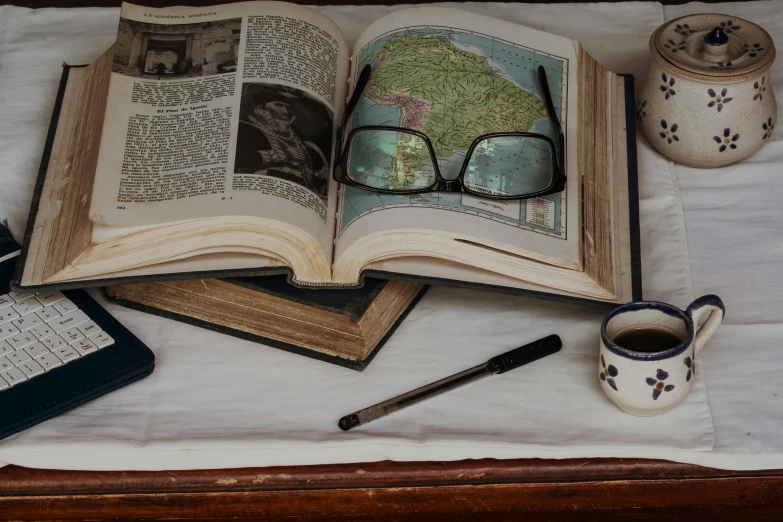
{"x": 714, "y": 44}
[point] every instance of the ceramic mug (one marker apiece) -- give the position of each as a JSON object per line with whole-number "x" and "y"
{"x": 708, "y": 99}
{"x": 655, "y": 381}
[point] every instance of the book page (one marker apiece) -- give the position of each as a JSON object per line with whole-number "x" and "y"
{"x": 454, "y": 76}
{"x": 222, "y": 111}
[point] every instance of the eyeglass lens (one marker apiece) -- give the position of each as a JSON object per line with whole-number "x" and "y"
{"x": 510, "y": 166}
{"x": 499, "y": 165}
{"x": 390, "y": 160}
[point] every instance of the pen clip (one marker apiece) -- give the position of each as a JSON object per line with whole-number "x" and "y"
{"x": 524, "y": 354}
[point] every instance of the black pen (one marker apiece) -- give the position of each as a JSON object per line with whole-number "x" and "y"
{"x": 498, "y": 364}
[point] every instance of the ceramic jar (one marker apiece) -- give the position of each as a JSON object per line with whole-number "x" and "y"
{"x": 707, "y": 100}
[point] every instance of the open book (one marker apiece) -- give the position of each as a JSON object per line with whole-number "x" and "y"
{"x": 202, "y": 144}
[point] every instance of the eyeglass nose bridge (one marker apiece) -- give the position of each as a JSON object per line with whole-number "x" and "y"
{"x": 448, "y": 185}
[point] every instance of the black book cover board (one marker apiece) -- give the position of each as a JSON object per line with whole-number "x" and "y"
{"x": 633, "y": 201}
{"x": 352, "y": 303}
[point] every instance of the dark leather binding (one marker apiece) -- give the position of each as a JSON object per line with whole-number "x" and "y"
{"x": 633, "y": 198}
{"x": 352, "y": 303}
{"x": 633, "y": 189}
{"x": 80, "y": 381}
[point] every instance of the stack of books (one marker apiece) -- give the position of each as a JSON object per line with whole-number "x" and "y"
{"x": 189, "y": 171}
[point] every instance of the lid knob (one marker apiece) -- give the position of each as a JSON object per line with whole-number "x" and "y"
{"x": 716, "y": 37}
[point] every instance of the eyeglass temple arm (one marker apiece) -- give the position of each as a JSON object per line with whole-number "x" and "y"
{"x": 361, "y": 84}
{"x": 550, "y": 108}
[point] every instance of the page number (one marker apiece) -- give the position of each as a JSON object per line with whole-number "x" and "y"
{"x": 227, "y": 198}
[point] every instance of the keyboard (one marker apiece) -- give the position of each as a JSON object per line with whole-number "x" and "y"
{"x": 58, "y": 350}
{"x": 41, "y": 332}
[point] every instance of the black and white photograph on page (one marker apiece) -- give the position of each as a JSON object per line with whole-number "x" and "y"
{"x": 177, "y": 51}
{"x": 284, "y": 133}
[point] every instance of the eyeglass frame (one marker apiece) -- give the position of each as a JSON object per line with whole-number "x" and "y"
{"x": 442, "y": 184}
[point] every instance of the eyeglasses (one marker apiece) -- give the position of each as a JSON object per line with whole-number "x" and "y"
{"x": 499, "y": 165}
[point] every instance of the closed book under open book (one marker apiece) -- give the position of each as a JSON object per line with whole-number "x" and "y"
{"x": 345, "y": 327}
{"x": 202, "y": 145}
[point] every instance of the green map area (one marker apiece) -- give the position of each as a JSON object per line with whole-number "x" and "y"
{"x": 449, "y": 94}
{"x": 452, "y": 86}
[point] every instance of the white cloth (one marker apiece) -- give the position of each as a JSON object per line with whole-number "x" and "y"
{"x": 218, "y": 402}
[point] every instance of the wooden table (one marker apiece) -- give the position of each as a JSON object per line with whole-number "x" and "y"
{"x": 471, "y": 490}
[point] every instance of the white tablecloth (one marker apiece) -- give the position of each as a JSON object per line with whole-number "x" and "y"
{"x": 215, "y": 401}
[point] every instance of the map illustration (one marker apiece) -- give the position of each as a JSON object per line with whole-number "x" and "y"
{"x": 453, "y": 86}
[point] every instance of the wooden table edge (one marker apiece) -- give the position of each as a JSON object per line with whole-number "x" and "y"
{"x": 466, "y": 490}
{"x": 20, "y": 481}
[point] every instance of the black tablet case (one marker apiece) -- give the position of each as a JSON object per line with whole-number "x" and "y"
{"x": 633, "y": 201}
{"x": 80, "y": 381}
{"x": 352, "y": 303}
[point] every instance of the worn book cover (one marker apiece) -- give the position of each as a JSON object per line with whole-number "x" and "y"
{"x": 344, "y": 327}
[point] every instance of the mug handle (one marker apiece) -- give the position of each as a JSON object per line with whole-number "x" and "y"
{"x": 712, "y": 305}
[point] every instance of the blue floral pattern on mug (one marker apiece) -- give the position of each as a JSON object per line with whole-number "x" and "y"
{"x": 691, "y": 364}
{"x": 641, "y": 109}
{"x": 666, "y": 87}
{"x": 729, "y": 27}
{"x": 726, "y": 140}
{"x": 760, "y": 89}
{"x": 718, "y": 99}
{"x": 669, "y": 133}
{"x": 675, "y": 46}
{"x": 754, "y": 50}
{"x": 767, "y": 126}
{"x": 684, "y": 29}
{"x": 721, "y": 66}
{"x": 658, "y": 385}
{"x": 608, "y": 373}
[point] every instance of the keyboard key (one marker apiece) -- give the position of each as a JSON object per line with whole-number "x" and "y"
{"x": 3, "y": 384}
{"x": 5, "y": 300}
{"x": 26, "y": 322}
{"x": 49, "y": 361}
{"x": 31, "y": 369}
{"x": 54, "y": 342}
{"x": 18, "y": 357}
{"x": 49, "y": 298}
{"x": 42, "y": 331}
{"x": 71, "y": 335}
{"x": 8, "y": 314}
{"x": 89, "y": 328}
{"x": 13, "y": 376}
{"x": 36, "y": 350}
{"x": 5, "y": 364}
{"x": 27, "y": 306}
{"x": 20, "y": 296}
{"x": 5, "y": 348}
{"x": 65, "y": 306}
{"x": 85, "y": 346}
{"x": 48, "y": 313}
{"x": 7, "y": 330}
{"x": 66, "y": 353}
{"x": 21, "y": 340}
{"x": 101, "y": 339}
{"x": 72, "y": 319}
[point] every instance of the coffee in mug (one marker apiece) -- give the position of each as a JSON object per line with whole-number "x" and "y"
{"x": 647, "y": 339}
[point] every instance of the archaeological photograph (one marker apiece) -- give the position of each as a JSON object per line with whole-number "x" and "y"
{"x": 177, "y": 51}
